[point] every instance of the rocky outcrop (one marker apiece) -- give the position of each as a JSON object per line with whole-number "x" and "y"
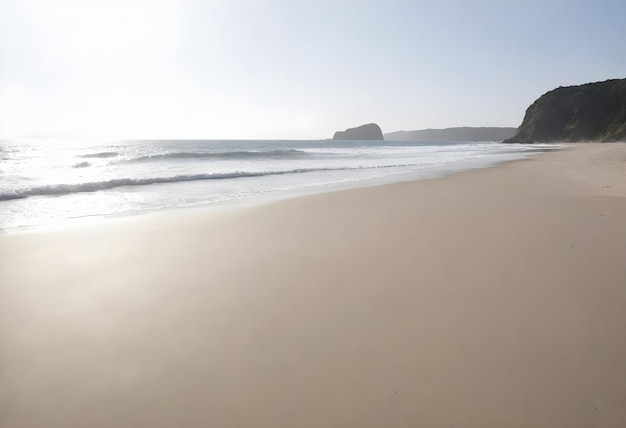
{"x": 589, "y": 112}
{"x": 453, "y": 134}
{"x": 371, "y": 131}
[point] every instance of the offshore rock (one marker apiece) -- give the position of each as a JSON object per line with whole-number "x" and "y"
{"x": 370, "y": 131}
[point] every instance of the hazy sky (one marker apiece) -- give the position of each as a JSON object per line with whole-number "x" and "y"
{"x": 289, "y": 68}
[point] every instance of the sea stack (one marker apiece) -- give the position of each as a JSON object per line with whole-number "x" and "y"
{"x": 589, "y": 112}
{"x": 370, "y": 131}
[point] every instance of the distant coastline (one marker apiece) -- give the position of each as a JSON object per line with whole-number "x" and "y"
{"x": 465, "y": 133}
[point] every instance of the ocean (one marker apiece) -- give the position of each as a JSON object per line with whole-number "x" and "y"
{"x": 44, "y": 182}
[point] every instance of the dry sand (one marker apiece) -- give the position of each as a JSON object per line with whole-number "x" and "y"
{"x": 494, "y": 298}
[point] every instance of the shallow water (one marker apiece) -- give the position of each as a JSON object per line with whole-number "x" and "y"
{"x": 47, "y": 181}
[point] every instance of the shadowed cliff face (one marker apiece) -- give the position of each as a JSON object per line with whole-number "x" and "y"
{"x": 371, "y": 131}
{"x": 594, "y": 111}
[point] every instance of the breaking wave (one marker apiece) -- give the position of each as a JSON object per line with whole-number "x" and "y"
{"x": 221, "y": 155}
{"x": 99, "y": 155}
{"x": 81, "y": 165}
{"x": 66, "y": 189}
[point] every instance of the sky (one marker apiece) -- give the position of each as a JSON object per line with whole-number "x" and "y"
{"x": 289, "y": 69}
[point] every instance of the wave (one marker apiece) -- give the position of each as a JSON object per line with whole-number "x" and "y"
{"x": 66, "y": 189}
{"x": 220, "y": 155}
{"x": 81, "y": 165}
{"x": 99, "y": 155}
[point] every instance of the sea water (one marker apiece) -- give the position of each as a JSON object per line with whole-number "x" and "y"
{"x": 47, "y": 181}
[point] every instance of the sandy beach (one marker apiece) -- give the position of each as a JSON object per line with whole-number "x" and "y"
{"x": 492, "y": 298}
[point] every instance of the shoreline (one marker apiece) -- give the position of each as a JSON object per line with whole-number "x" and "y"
{"x": 247, "y": 202}
{"x": 487, "y": 298}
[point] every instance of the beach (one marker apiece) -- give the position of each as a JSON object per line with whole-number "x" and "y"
{"x": 489, "y": 298}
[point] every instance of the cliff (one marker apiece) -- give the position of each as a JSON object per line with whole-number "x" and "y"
{"x": 371, "y": 131}
{"x": 593, "y": 111}
{"x": 453, "y": 134}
